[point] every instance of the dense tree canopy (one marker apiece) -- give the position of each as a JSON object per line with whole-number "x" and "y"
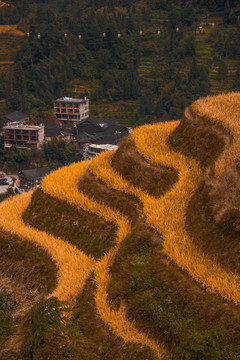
{"x": 44, "y": 67}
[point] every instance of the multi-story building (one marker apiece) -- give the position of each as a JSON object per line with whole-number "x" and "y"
{"x": 71, "y": 110}
{"x": 23, "y": 136}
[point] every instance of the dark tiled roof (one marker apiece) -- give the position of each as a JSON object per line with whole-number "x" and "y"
{"x": 16, "y": 116}
{"x": 51, "y": 129}
{"x": 114, "y": 131}
{"x": 51, "y": 132}
{"x": 51, "y": 125}
{"x": 66, "y": 133}
{"x": 117, "y": 128}
{"x": 68, "y": 129}
{"x": 89, "y": 128}
{"x": 94, "y": 121}
{"x": 37, "y": 173}
{"x": 85, "y": 138}
{"x": 106, "y": 140}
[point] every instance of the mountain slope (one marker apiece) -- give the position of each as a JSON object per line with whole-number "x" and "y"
{"x": 139, "y": 239}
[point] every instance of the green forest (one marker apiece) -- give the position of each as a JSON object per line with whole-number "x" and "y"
{"x": 149, "y": 59}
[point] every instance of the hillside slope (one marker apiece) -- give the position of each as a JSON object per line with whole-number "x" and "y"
{"x": 139, "y": 240}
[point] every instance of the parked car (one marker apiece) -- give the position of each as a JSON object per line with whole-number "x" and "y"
{"x": 4, "y": 181}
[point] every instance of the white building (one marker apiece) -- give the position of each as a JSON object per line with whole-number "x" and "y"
{"x": 91, "y": 150}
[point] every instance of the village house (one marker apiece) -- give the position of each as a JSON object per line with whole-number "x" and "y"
{"x": 51, "y": 131}
{"x": 72, "y": 110}
{"x": 16, "y": 118}
{"x": 23, "y": 136}
{"x": 102, "y": 132}
{"x": 29, "y": 179}
{"x": 66, "y": 132}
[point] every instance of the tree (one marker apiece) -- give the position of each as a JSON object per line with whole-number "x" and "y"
{"x": 236, "y": 81}
{"x": 222, "y": 71}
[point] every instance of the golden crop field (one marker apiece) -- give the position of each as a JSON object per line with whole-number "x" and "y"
{"x": 74, "y": 266}
{"x": 11, "y": 29}
{"x": 166, "y": 215}
{"x": 67, "y": 189}
{"x": 224, "y": 110}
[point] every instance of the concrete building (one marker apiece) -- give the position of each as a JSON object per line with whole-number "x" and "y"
{"x": 91, "y": 150}
{"x": 23, "y": 136}
{"x": 72, "y": 110}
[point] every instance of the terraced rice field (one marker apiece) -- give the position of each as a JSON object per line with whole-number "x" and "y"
{"x": 97, "y": 187}
{"x": 145, "y": 67}
{"x": 10, "y": 40}
{"x": 205, "y": 51}
{"x": 124, "y": 111}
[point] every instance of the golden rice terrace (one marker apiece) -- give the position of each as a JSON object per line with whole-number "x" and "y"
{"x": 134, "y": 254}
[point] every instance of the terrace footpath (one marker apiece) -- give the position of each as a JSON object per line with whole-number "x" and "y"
{"x": 10, "y": 40}
{"x": 205, "y": 53}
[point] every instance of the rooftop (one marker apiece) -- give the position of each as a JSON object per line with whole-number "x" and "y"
{"x": 71, "y": 100}
{"x": 102, "y": 123}
{"x": 23, "y": 127}
{"x": 104, "y": 146}
{"x": 16, "y": 116}
{"x": 37, "y": 173}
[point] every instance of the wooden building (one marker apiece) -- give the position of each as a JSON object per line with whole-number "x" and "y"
{"x": 29, "y": 179}
{"x": 16, "y": 118}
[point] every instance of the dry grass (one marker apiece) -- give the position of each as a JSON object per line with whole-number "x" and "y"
{"x": 10, "y": 29}
{"x": 65, "y": 187}
{"x": 88, "y": 232}
{"x": 167, "y": 215}
{"x": 224, "y": 110}
{"x": 74, "y": 266}
{"x": 154, "y": 179}
{"x": 198, "y": 138}
{"x": 6, "y": 62}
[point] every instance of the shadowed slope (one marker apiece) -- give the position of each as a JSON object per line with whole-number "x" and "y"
{"x": 83, "y": 229}
{"x": 158, "y": 297}
{"x": 167, "y": 214}
{"x": 68, "y": 189}
{"x": 27, "y": 274}
{"x": 215, "y": 195}
{"x": 73, "y": 266}
{"x": 155, "y": 180}
{"x": 162, "y": 299}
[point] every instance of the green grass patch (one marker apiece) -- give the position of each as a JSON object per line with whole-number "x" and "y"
{"x": 198, "y": 140}
{"x": 160, "y": 306}
{"x": 85, "y": 230}
{"x": 5, "y": 316}
{"x": 124, "y": 111}
{"x": 102, "y": 343}
{"x": 27, "y": 263}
